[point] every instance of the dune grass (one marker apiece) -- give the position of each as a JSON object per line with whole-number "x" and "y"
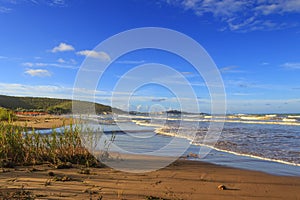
{"x": 22, "y": 146}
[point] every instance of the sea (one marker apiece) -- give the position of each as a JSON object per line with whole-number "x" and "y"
{"x": 266, "y": 143}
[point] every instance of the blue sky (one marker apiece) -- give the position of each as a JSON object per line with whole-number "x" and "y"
{"x": 255, "y": 45}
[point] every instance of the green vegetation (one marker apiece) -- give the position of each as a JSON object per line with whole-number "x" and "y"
{"x": 6, "y": 115}
{"x": 19, "y": 146}
{"x": 50, "y": 105}
{"x": 62, "y": 108}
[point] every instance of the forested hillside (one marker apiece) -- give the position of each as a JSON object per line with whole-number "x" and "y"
{"x": 50, "y": 105}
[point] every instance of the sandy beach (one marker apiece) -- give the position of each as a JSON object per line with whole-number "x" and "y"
{"x": 181, "y": 180}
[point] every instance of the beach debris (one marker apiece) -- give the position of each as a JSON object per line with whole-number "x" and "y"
{"x": 192, "y": 155}
{"x": 51, "y": 174}
{"x": 6, "y": 163}
{"x": 222, "y": 187}
{"x": 63, "y": 178}
{"x": 154, "y": 198}
{"x": 157, "y": 182}
{"x": 17, "y": 193}
{"x": 203, "y": 177}
{"x": 90, "y": 191}
{"x": 93, "y": 192}
{"x": 66, "y": 165}
{"x": 48, "y": 182}
{"x": 34, "y": 170}
{"x": 85, "y": 171}
{"x": 2, "y": 170}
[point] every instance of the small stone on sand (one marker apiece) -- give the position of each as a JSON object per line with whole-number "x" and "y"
{"x": 222, "y": 187}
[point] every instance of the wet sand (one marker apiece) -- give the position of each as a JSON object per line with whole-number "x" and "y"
{"x": 181, "y": 180}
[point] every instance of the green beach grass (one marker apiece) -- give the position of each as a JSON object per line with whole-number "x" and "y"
{"x": 24, "y": 146}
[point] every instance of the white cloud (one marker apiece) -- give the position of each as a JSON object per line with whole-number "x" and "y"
{"x": 53, "y": 91}
{"x": 40, "y": 64}
{"x": 38, "y": 72}
{"x": 242, "y": 94}
{"x": 58, "y": 2}
{"x": 95, "y": 54}
{"x": 133, "y": 62}
{"x": 263, "y": 105}
{"x": 28, "y": 64}
{"x": 231, "y": 69}
{"x": 279, "y": 6}
{"x": 219, "y": 8}
{"x": 60, "y": 60}
{"x": 4, "y": 9}
{"x": 35, "y": 90}
{"x": 63, "y": 47}
{"x": 72, "y": 61}
{"x": 244, "y": 15}
{"x": 264, "y": 63}
{"x": 291, "y": 65}
{"x": 55, "y": 3}
{"x": 64, "y": 61}
{"x": 3, "y": 57}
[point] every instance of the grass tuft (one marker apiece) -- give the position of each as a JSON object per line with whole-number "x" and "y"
{"x": 19, "y": 146}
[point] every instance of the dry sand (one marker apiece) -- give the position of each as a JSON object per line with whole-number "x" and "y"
{"x": 181, "y": 180}
{"x": 43, "y": 121}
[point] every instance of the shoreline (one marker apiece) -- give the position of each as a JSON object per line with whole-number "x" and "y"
{"x": 227, "y": 158}
{"x": 159, "y": 130}
{"x": 182, "y": 179}
{"x": 239, "y": 161}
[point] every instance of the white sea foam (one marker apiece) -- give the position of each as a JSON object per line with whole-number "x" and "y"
{"x": 173, "y": 134}
{"x": 249, "y": 155}
{"x": 250, "y": 120}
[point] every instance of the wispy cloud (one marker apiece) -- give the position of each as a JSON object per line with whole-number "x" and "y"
{"x": 38, "y": 72}
{"x": 133, "y": 62}
{"x": 8, "y": 5}
{"x": 244, "y": 15}
{"x": 3, "y": 57}
{"x": 243, "y": 94}
{"x": 53, "y": 91}
{"x": 279, "y": 6}
{"x": 41, "y": 64}
{"x": 36, "y": 90}
{"x": 64, "y": 61}
{"x": 57, "y": 3}
{"x": 264, "y": 63}
{"x": 60, "y": 3}
{"x": 4, "y": 9}
{"x": 242, "y": 84}
{"x": 291, "y": 65}
{"x": 60, "y": 60}
{"x": 63, "y": 47}
{"x": 263, "y": 105}
{"x": 95, "y": 54}
{"x": 230, "y": 69}
{"x": 187, "y": 73}
{"x": 159, "y": 100}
